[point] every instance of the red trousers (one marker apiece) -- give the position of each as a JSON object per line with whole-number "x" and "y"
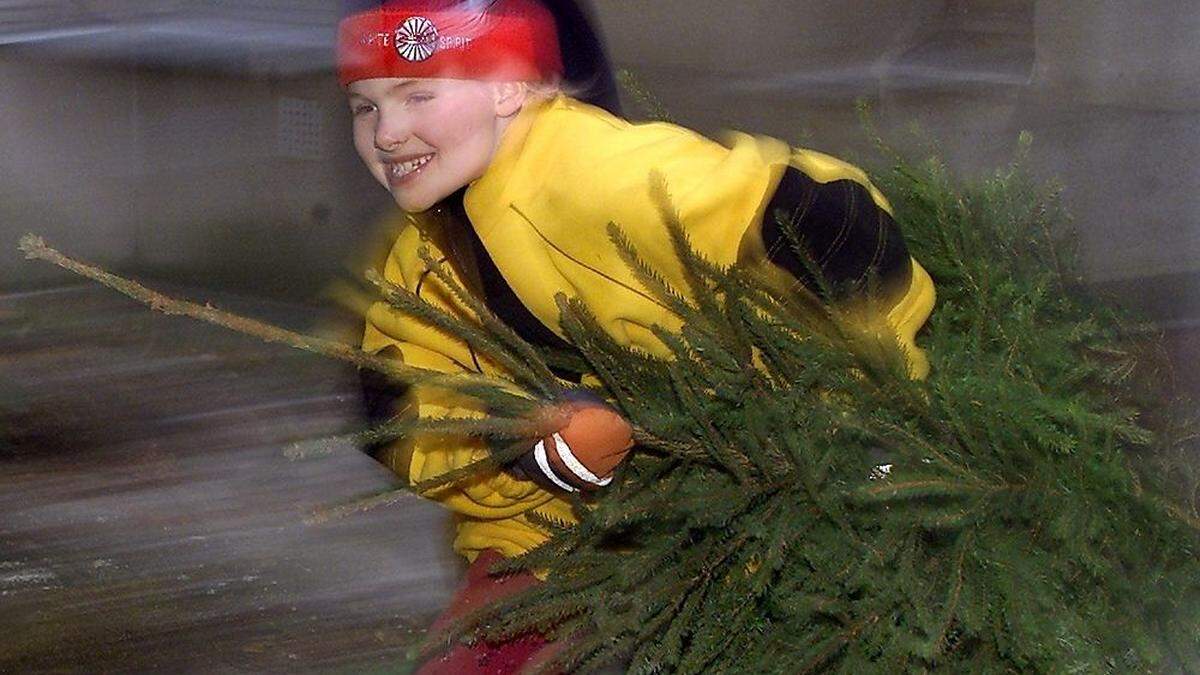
{"x": 484, "y": 658}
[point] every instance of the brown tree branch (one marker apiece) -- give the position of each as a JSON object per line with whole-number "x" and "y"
{"x": 35, "y": 248}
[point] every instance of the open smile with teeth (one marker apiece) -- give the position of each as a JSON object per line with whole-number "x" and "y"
{"x": 402, "y": 169}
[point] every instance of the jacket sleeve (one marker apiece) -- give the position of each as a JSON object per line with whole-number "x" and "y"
{"x": 848, "y": 250}
{"x": 490, "y": 496}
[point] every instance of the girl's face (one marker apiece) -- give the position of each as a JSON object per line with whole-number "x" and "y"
{"x": 423, "y": 139}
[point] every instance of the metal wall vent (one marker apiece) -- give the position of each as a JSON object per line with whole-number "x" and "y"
{"x": 300, "y": 130}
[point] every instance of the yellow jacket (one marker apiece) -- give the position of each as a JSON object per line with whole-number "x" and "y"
{"x": 563, "y": 171}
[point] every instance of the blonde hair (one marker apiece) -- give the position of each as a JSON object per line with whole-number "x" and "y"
{"x": 555, "y": 87}
{"x": 543, "y": 90}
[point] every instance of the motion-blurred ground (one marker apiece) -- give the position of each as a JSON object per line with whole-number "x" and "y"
{"x": 150, "y": 520}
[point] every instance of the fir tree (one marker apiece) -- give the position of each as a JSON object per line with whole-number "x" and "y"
{"x": 796, "y": 503}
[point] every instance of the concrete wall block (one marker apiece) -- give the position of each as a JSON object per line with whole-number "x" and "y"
{"x": 1109, "y": 52}
{"x": 1131, "y": 181}
{"x": 757, "y": 35}
{"x": 70, "y": 147}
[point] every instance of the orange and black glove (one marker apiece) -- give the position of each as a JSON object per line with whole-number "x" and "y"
{"x": 581, "y": 456}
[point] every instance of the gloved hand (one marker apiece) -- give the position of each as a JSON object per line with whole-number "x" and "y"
{"x": 582, "y": 454}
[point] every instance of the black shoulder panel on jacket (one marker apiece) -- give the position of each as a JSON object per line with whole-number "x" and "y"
{"x": 843, "y": 234}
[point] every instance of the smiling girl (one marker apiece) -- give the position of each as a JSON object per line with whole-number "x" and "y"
{"x": 423, "y": 139}
{"x": 459, "y": 112}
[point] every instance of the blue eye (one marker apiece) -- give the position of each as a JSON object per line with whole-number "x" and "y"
{"x": 361, "y": 109}
{"x": 420, "y": 98}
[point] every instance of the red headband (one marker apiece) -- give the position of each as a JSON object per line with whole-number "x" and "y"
{"x": 496, "y": 40}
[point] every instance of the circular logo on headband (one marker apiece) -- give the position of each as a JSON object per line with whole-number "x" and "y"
{"x": 416, "y": 39}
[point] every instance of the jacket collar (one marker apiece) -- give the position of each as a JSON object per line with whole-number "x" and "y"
{"x": 486, "y": 198}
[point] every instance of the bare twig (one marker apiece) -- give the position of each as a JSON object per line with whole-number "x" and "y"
{"x": 35, "y": 248}
{"x": 362, "y": 505}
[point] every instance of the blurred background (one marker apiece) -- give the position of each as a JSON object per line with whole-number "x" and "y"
{"x": 149, "y": 518}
